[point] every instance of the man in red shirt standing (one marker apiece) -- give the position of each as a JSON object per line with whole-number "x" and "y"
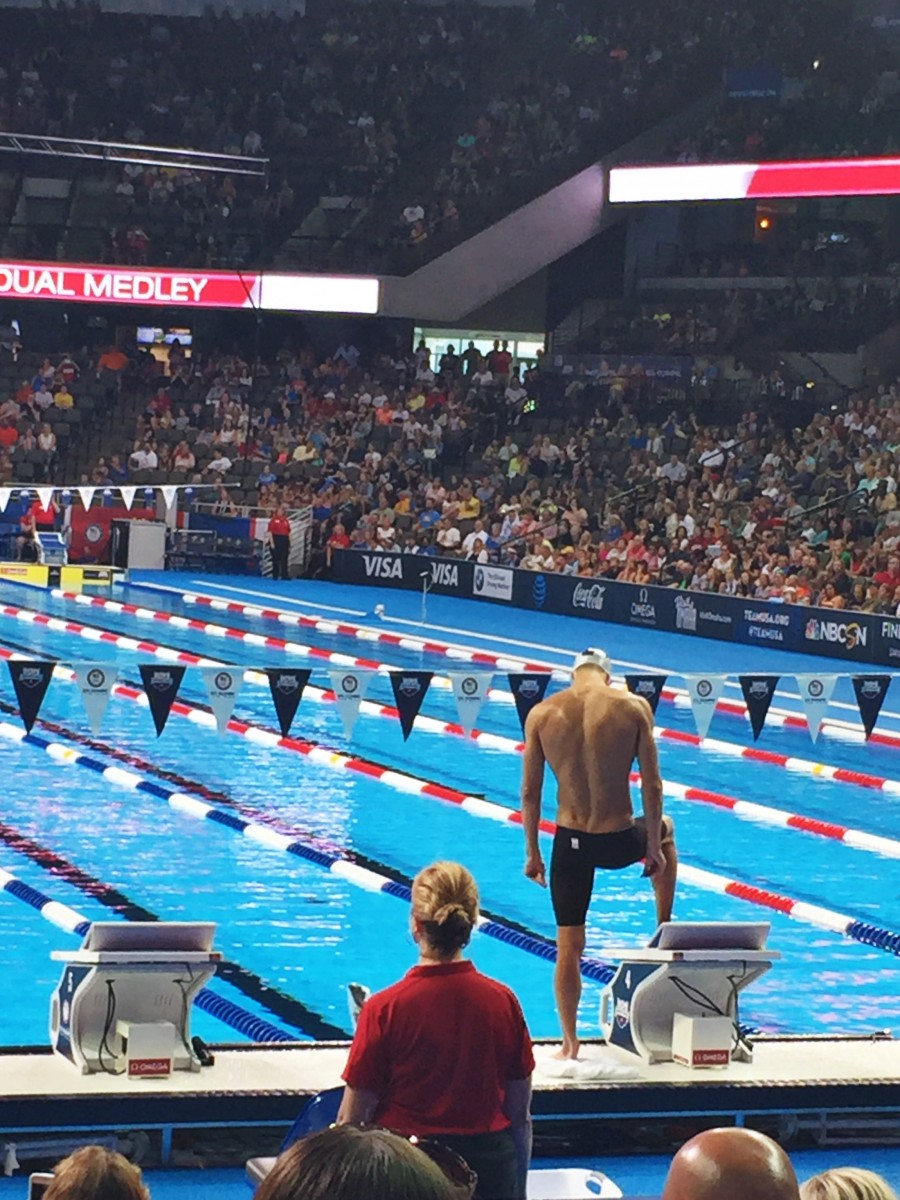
{"x": 279, "y": 538}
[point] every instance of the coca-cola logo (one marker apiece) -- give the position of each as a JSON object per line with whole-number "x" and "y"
{"x": 588, "y": 596}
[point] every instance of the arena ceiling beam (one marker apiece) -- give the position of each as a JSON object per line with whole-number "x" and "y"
{"x": 129, "y": 152}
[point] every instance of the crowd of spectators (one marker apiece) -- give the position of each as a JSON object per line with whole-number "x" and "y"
{"x": 454, "y": 458}
{"x": 400, "y": 116}
{"x": 812, "y": 313}
{"x": 36, "y": 417}
{"x": 347, "y": 1161}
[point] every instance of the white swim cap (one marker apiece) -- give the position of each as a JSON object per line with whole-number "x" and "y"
{"x": 593, "y": 657}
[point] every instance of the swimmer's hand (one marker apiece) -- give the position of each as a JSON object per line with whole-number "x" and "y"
{"x": 654, "y": 863}
{"x": 535, "y": 869}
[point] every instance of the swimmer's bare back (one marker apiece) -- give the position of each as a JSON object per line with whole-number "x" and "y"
{"x": 590, "y": 734}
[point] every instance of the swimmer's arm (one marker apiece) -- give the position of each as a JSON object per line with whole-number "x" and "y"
{"x": 532, "y": 783}
{"x": 357, "y": 1107}
{"x": 651, "y": 783}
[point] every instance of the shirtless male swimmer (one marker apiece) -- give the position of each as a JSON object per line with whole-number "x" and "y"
{"x": 589, "y": 734}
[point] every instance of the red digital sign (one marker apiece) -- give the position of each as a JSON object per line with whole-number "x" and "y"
{"x": 269, "y": 291}
{"x": 742, "y": 181}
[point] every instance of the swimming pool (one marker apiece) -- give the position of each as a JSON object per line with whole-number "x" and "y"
{"x": 296, "y": 932}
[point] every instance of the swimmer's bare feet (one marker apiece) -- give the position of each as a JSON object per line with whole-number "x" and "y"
{"x": 568, "y": 1050}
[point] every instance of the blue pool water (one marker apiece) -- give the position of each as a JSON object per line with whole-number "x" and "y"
{"x": 297, "y": 928}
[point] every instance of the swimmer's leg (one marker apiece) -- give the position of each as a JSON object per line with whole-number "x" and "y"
{"x": 664, "y": 881}
{"x": 571, "y": 883}
{"x": 570, "y": 941}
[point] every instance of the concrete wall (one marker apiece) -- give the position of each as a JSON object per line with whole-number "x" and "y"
{"x": 495, "y": 260}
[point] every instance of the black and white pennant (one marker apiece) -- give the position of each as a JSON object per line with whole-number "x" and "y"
{"x": 648, "y": 686}
{"x": 287, "y": 688}
{"x": 528, "y": 690}
{"x": 409, "y": 689}
{"x": 161, "y": 686}
{"x": 758, "y": 692}
{"x": 870, "y": 693}
{"x": 30, "y": 680}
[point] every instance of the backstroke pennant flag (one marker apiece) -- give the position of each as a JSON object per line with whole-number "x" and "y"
{"x": 409, "y": 691}
{"x": 758, "y": 692}
{"x": 5, "y": 494}
{"x": 528, "y": 690}
{"x": 95, "y": 683}
{"x": 222, "y": 686}
{"x": 815, "y": 694}
{"x": 704, "y": 692}
{"x": 350, "y": 689}
{"x": 470, "y": 691}
{"x": 286, "y": 685}
{"x": 870, "y": 693}
{"x": 87, "y": 495}
{"x": 648, "y": 686}
{"x": 128, "y": 493}
{"x": 161, "y": 685}
{"x": 31, "y": 680}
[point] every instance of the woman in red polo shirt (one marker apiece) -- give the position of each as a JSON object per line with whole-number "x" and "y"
{"x": 445, "y": 1053}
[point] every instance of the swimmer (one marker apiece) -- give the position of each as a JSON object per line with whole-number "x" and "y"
{"x": 589, "y": 734}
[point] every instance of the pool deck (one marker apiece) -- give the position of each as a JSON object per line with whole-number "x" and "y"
{"x": 855, "y": 1077}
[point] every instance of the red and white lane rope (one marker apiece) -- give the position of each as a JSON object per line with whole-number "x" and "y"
{"x": 743, "y": 808}
{"x": 366, "y": 633}
{"x": 831, "y": 726}
{"x": 788, "y": 762}
{"x": 211, "y": 629}
{"x": 477, "y": 806}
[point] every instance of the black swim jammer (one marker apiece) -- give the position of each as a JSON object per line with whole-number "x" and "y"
{"x": 576, "y": 855}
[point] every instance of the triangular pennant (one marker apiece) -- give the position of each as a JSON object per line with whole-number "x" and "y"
{"x": 169, "y": 491}
{"x": 45, "y": 495}
{"x": 870, "y": 693}
{"x": 5, "y": 494}
{"x": 815, "y": 693}
{"x": 222, "y": 686}
{"x": 758, "y": 692}
{"x": 704, "y": 691}
{"x": 87, "y": 495}
{"x": 286, "y": 685}
{"x": 95, "y": 682}
{"x": 470, "y": 691}
{"x": 31, "y": 680}
{"x": 127, "y": 494}
{"x": 528, "y": 690}
{"x": 161, "y": 685}
{"x": 350, "y": 688}
{"x": 648, "y": 686}
{"x": 409, "y": 692}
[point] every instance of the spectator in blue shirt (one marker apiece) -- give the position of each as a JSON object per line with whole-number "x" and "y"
{"x": 429, "y": 516}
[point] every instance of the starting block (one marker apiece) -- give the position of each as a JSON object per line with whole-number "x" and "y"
{"x": 689, "y": 977}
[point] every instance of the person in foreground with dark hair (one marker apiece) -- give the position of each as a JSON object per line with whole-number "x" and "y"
{"x": 95, "y": 1173}
{"x": 445, "y": 1053}
{"x": 348, "y": 1163}
{"x": 731, "y": 1164}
